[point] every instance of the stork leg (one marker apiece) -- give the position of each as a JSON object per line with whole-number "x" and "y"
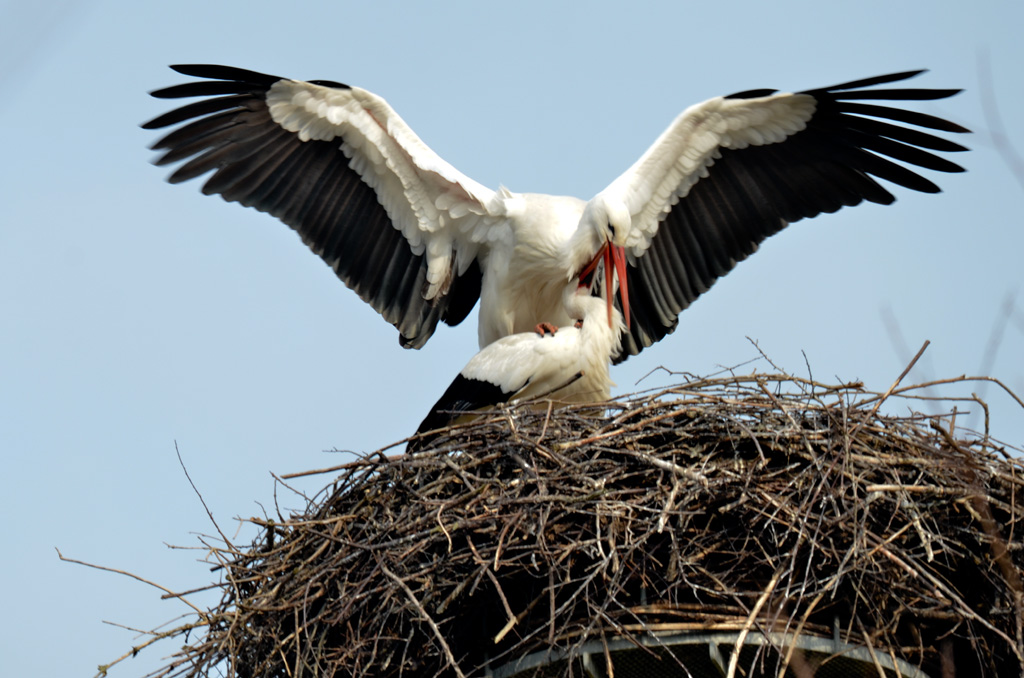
{"x": 544, "y": 329}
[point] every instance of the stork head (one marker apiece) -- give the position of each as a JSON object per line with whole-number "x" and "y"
{"x": 608, "y": 222}
{"x": 606, "y": 219}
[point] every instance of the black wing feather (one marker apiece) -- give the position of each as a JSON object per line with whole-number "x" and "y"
{"x": 463, "y": 395}
{"x": 307, "y": 185}
{"x": 903, "y": 115}
{"x": 754, "y": 192}
{"x": 871, "y": 82}
{"x": 215, "y": 72}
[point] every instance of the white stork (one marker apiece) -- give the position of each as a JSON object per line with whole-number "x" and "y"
{"x": 566, "y": 365}
{"x": 421, "y": 242}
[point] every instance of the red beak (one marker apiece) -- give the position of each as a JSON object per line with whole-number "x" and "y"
{"x": 614, "y": 259}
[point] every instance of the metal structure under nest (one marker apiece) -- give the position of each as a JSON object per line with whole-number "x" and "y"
{"x": 688, "y": 654}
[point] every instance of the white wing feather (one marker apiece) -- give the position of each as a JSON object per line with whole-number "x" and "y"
{"x": 512, "y": 361}
{"x": 682, "y": 154}
{"x": 427, "y": 199}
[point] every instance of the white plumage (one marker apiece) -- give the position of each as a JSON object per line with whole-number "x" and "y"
{"x": 421, "y": 242}
{"x": 568, "y": 366}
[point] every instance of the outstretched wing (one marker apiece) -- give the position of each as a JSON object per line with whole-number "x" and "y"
{"x": 734, "y": 170}
{"x": 338, "y": 165}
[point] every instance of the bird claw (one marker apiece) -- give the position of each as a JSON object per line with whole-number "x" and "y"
{"x": 578, "y": 324}
{"x": 544, "y": 329}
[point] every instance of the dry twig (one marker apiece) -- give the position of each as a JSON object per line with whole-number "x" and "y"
{"x": 720, "y": 505}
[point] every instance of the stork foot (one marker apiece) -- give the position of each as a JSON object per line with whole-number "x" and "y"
{"x": 544, "y": 329}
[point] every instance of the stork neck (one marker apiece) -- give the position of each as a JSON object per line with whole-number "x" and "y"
{"x": 594, "y": 313}
{"x": 582, "y": 247}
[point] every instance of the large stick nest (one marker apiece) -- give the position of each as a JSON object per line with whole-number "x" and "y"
{"x": 755, "y": 505}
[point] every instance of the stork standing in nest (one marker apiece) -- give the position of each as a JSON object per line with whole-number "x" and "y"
{"x": 565, "y": 365}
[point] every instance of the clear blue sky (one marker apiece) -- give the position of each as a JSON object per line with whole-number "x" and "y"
{"x": 136, "y": 314}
